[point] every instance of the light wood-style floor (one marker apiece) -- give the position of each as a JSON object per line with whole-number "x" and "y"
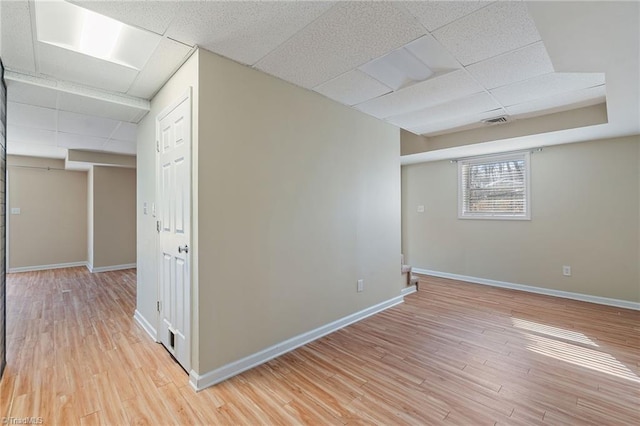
{"x": 454, "y": 353}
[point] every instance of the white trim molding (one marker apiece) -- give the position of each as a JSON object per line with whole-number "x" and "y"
{"x": 146, "y": 325}
{"x": 111, "y": 268}
{"x": 45, "y": 267}
{"x": 199, "y": 382}
{"x": 627, "y": 304}
{"x": 408, "y": 290}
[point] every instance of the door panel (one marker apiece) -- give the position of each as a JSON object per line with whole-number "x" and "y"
{"x": 174, "y": 201}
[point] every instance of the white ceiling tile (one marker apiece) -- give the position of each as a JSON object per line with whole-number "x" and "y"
{"x": 148, "y": 14}
{"x": 495, "y": 29}
{"x": 545, "y": 86}
{"x": 16, "y": 36}
{"x": 512, "y": 67}
{"x": 23, "y": 134}
{"x": 165, "y": 60}
{"x": 432, "y": 53}
{"x": 347, "y": 36}
{"x": 455, "y": 123}
{"x": 73, "y": 141}
{"x": 67, "y": 65}
{"x": 437, "y": 90}
{"x": 31, "y": 116}
{"x": 90, "y": 106}
{"x": 435, "y": 14}
{"x": 125, "y": 132}
{"x": 574, "y": 99}
{"x": 243, "y": 31}
{"x": 36, "y": 150}
{"x": 352, "y": 88}
{"x": 474, "y": 104}
{"x": 24, "y": 93}
{"x": 86, "y": 125}
{"x": 121, "y": 147}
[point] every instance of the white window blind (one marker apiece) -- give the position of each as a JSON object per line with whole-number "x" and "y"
{"x": 495, "y": 187}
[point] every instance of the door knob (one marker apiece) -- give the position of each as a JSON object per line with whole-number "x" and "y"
{"x": 184, "y": 248}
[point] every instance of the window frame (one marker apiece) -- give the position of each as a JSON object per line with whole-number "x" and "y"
{"x": 526, "y": 156}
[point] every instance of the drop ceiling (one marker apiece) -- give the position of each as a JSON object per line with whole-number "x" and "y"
{"x": 483, "y": 59}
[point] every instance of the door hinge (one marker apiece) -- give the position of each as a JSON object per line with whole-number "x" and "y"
{"x": 158, "y": 305}
{"x": 157, "y": 145}
{"x": 158, "y": 225}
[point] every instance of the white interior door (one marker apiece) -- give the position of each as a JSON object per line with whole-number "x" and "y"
{"x": 173, "y": 138}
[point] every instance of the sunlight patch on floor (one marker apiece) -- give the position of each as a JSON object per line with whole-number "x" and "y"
{"x": 548, "y": 330}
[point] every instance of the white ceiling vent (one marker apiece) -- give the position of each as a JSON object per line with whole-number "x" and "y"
{"x": 496, "y": 120}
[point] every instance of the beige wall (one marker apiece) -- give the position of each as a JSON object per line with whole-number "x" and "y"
{"x": 113, "y": 197}
{"x": 585, "y": 213}
{"x": 299, "y": 197}
{"x": 52, "y": 226}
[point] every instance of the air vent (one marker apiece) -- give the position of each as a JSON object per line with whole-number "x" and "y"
{"x": 496, "y": 120}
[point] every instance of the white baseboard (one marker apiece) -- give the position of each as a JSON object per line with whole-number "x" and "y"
{"x": 110, "y": 268}
{"x": 199, "y": 382}
{"x": 408, "y": 290}
{"x": 146, "y": 325}
{"x": 45, "y": 267}
{"x": 531, "y": 289}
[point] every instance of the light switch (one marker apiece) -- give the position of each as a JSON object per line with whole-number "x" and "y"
{"x": 420, "y": 209}
{"x": 15, "y": 210}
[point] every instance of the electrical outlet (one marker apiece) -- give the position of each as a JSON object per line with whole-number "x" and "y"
{"x": 360, "y": 286}
{"x": 420, "y": 209}
{"x": 566, "y": 271}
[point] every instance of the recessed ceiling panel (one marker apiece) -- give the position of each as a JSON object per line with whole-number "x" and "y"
{"x": 16, "y": 36}
{"x": 352, "y": 88}
{"x": 437, "y": 90}
{"x": 435, "y": 14}
{"x": 512, "y": 67}
{"x": 546, "y": 86}
{"x": 493, "y": 30}
{"x": 66, "y": 65}
{"x": 474, "y": 120}
{"x": 73, "y": 141}
{"x": 148, "y": 14}
{"x": 24, "y": 134}
{"x": 471, "y": 105}
{"x": 165, "y": 60}
{"x": 347, "y": 36}
{"x": 125, "y": 132}
{"x": 243, "y": 31}
{"x": 120, "y": 147}
{"x": 575, "y": 99}
{"x": 31, "y": 116}
{"x": 86, "y": 125}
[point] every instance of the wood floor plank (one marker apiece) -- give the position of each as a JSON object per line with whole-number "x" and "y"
{"x": 453, "y": 353}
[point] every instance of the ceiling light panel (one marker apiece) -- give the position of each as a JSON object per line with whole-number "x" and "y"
{"x": 151, "y": 15}
{"x": 490, "y": 31}
{"x": 397, "y": 69}
{"x": 165, "y": 60}
{"x": 546, "y": 86}
{"x": 574, "y": 99}
{"x": 435, "y": 14}
{"x": 436, "y": 90}
{"x": 31, "y": 116}
{"x": 512, "y": 67}
{"x": 475, "y": 104}
{"x": 71, "y": 27}
{"x": 433, "y": 54}
{"x": 15, "y": 33}
{"x": 352, "y": 88}
{"x": 243, "y": 31}
{"x": 343, "y": 38}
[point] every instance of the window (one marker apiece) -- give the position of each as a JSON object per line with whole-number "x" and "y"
{"x": 495, "y": 187}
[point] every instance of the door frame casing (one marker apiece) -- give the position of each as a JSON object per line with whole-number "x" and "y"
{"x": 186, "y": 96}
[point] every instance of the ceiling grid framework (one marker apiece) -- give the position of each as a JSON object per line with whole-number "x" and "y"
{"x": 486, "y": 58}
